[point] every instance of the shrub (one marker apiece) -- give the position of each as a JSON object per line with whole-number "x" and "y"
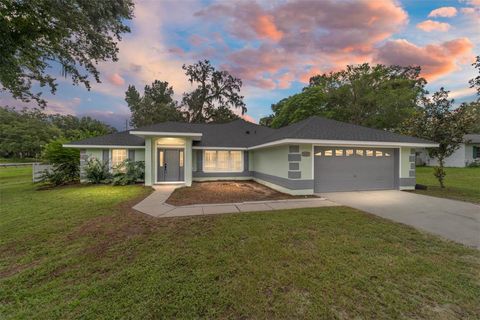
{"x": 65, "y": 162}
{"x": 129, "y": 172}
{"x": 97, "y": 171}
{"x": 474, "y": 164}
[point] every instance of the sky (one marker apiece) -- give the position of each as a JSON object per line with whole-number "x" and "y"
{"x": 275, "y": 47}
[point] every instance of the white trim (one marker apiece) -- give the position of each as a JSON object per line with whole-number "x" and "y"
{"x": 345, "y": 143}
{"x": 399, "y": 165}
{"x": 96, "y": 146}
{"x": 242, "y": 157}
{"x": 220, "y": 148}
{"x": 170, "y": 182}
{"x": 172, "y": 134}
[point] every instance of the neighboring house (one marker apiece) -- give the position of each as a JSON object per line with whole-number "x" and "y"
{"x": 313, "y": 155}
{"x": 468, "y": 152}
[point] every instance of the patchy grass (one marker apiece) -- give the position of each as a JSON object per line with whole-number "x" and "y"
{"x": 80, "y": 252}
{"x": 461, "y": 183}
{"x": 225, "y": 192}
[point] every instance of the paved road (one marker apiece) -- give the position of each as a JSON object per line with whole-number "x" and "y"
{"x": 455, "y": 220}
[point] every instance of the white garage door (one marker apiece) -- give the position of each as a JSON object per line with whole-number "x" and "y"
{"x": 350, "y": 169}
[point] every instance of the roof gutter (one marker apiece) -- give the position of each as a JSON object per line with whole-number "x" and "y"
{"x": 96, "y": 146}
{"x": 161, "y": 133}
{"x": 346, "y": 143}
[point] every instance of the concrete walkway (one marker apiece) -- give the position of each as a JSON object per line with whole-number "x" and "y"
{"x": 155, "y": 205}
{"x": 455, "y": 220}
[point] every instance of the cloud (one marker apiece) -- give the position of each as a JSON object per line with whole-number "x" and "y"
{"x": 293, "y": 37}
{"x": 265, "y": 27}
{"x": 436, "y": 60}
{"x": 468, "y": 10}
{"x": 248, "y": 118}
{"x": 116, "y": 79}
{"x": 446, "y": 12}
{"x": 430, "y": 25}
{"x": 196, "y": 40}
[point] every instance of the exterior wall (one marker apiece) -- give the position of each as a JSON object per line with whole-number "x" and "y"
{"x": 148, "y": 162}
{"x": 469, "y": 152}
{"x": 98, "y": 153}
{"x": 459, "y": 158}
{"x": 407, "y": 169}
{"x": 284, "y": 168}
{"x": 139, "y": 154}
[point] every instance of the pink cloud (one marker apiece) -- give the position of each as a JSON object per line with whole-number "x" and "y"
{"x": 116, "y": 79}
{"x": 322, "y": 34}
{"x": 248, "y": 118}
{"x": 430, "y": 25}
{"x": 285, "y": 80}
{"x": 436, "y": 60}
{"x": 265, "y": 27}
{"x": 446, "y": 12}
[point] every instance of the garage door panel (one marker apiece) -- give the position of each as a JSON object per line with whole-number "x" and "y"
{"x": 348, "y": 173}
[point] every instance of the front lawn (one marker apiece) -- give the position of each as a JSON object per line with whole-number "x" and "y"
{"x": 225, "y": 192}
{"x": 81, "y": 252}
{"x": 461, "y": 183}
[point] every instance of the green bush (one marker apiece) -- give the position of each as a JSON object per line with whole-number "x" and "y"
{"x": 474, "y": 164}
{"x": 65, "y": 162}
{"x": 97, "y": 171}
{"x": 129, "y": 172}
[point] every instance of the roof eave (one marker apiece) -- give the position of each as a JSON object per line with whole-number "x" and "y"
{"x": 352, "y": 143}
{"x": 169, "y": 134}
{"x": 99, "y": 146}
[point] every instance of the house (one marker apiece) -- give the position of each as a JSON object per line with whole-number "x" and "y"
{"x": 313, "y": 155}
{"x": 468, "y": 152}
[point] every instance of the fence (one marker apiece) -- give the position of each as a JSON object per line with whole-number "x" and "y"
{"x": 38, "y": 169}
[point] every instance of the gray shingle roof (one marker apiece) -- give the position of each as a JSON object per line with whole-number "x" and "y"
{"x": 472, "y": 138}
{"x": 327, "y": 129}
{"x": 244, "y": 134}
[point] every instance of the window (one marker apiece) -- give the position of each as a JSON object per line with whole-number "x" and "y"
{"x": 369, "y": 153}
{"x": 210, "y": 160}
{"x": 181, "y": 158}
{"x": 378, "y": 153}
{"x": 388, "y": 154}
{"x": 223, "y": 161}
{"x": 349, "y": 152}
{"x": 338, "y": 152}
{"x": 118, "y": 156}
{"x": 359, "y": 152}
{"x": 319, "y": 153}
{"x": 476, "y": 152}
{"x": 328, "y": 153}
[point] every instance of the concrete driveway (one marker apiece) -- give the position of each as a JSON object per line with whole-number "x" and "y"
{"x": 455, "y": 220}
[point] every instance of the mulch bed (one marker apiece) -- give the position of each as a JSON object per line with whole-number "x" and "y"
{"x": 225, "y": 192}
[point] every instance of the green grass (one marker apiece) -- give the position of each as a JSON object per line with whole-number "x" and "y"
{"x": 461, "y": 183}
{"x": 18, "y": 160}
{"x": 80, "y": 252}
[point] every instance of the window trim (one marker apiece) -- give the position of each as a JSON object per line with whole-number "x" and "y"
{"x": 242, "y": 157}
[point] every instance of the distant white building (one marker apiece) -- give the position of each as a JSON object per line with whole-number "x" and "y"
{"x": 468, "y": 152}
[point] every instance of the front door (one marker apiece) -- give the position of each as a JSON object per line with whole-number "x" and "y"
{"x": 170, "y": 165}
